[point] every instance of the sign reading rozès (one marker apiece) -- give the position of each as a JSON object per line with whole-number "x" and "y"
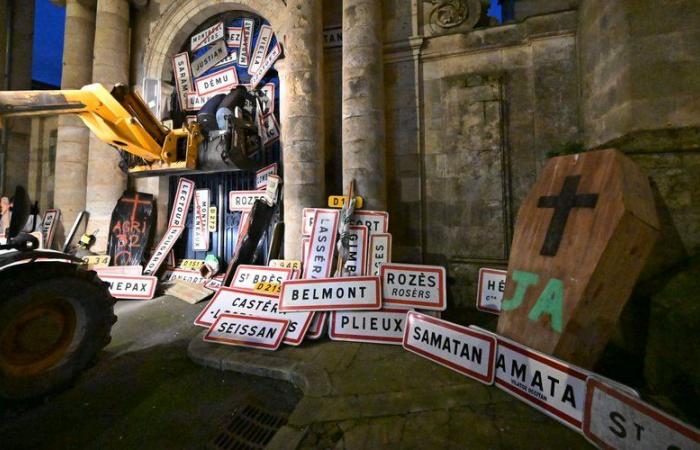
{"x": 410, "y": 285}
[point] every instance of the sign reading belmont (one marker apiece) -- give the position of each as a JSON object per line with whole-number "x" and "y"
{"x": 459, "y": 348}
{"x": 409, "y": 285}
{"x": 331, "y": 294}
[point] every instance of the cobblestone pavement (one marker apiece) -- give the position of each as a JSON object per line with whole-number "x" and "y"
{"x": 381, "y": 396}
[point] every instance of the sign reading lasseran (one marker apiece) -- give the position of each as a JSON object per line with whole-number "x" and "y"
{"x": 245, "y": 331}
{"x": 414, "y": 286}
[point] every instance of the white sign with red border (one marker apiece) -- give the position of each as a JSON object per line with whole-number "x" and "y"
{"x": 247, "y": 276}
{"x": 317, "y": 325}
{"x": 210, "y": 58}
{"x": 307, "y": 219}
{"x": 385, "y": 326}
{"x": 119, "y": 270}
{"x": 233, "y": 36}
{"x": 379, "y": 252}
{"x": 243, "y": 200}
{"x": 375, "y": 221}
{"x": 319, "y": 260}
{"x": 231, "y": 58}
{"x": 411, "y": 285}
{"x": 261, "y": 47}
{"x": 176, "y": 225}
{"x": 266, "y": 65}
{"x": 189, "y": 276}
{"x": 131, "y": 287}
{"x": 615, "y": 420}
{"x": 183, "y": 77}
{"x": 305, "y": 246}
{"x": 216, "y": 82}
{"x": 228, "y": 300}
{"x": 262, "y": 174}
{"x": 331, "y": 294}
{"x": 492, "y": 283}
{"x": 194, "y": 101}
{"x": 270, "y": 129}
{"x": 211, "y": 34}
{"x": 200, "y": 237}
{"x": 48, "y": 226}
{"x": 245, "y": 331}
{"x": 459, "y": 348}
{"x": 268, "y": 101}
{"x": 246, "y": 44}
{"x": 356, "y": 263}
{"x": 214, "y": 283}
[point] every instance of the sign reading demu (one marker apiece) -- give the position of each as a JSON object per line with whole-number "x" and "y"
{"x": 247, "y": 276}
{"x": 492, "y": 283}
{"x": 383, "y": 327}
{"x": 130, "y": 287}
{"x": 331, "y": 294}
{"x": 236, "y": 301}
{"x": 581, "y": 239}
{"x": 616, "y": 420}
{"x": 414, "y": 286}
{"x": 459, "y": 348}
{"x": 246, "y": 331}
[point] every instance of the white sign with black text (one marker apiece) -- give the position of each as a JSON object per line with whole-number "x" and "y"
{"x": 261, "y": 47}
{"x": 183, "y": 77}
{"x": 331, "y": 294}
{"x": 247, "y": 276}
{"x": 130, "y": 287}
{"x": 385, "y": 326}
{"x": 246, "y": 331}
{"x": 266, "y": 65}
{"x": 262, "y": 174}
{"x": 189, "y": 276}
{"x": 414, "y": 286}
{"x": 233, "y": 36}
{"x": 216, "y": 82}
{"x": 356, "y": 262}
{"x": 48, "y": 226}
{"x": 376, "y": 221}
{"x": 245, "y": 45}
{"x": 200, "y": 237}
{"x": 319, "y": 258}
{"x": 492, "y": 283}
{"x": 379, "y": 252}
{"x": 210, "y": 58}
{"x": 211, "y": 34}
{"x": 243, "y": 200}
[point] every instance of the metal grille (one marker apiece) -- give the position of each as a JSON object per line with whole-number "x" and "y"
{"x": 250, "y": 427}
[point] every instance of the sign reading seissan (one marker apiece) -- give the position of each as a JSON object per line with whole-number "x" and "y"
{"x": 247, "y": 276}
{"x": 331, "y": 294}
{"x": 409, "y": 285}
{"x": 459, "y": 348}
{"x": 246, "y": 331}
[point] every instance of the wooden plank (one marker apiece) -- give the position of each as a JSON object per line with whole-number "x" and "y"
{"x": 581, "y": 239}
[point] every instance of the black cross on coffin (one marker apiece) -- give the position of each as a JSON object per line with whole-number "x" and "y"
{"x": 563, "y": 204}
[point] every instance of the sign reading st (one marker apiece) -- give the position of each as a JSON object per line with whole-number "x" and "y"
{"x": 414, "y": 286}
{"x": 616, "y": 420}
{"x": 459, "y": 348}
{"x": 582, "y": 237}
{"x": 247, "y": 276}
{"x": 492, "y": 282}
{"x": 331, "y": 294}
{"x": 259, "y": 332}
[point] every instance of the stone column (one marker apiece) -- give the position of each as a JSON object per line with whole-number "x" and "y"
{"x": 301, "y": 79}
{"x": 73, "y": 136}
{"x": 364, "y": 153}
{"x": 105, "y": 180}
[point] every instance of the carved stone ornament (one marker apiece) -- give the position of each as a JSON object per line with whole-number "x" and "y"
{"x": 453, "y": 16}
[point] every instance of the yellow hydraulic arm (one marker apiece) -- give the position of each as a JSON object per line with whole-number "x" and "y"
{"x": 119, "y": 118}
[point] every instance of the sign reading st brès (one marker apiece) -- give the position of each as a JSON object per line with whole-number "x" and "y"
{"x": 247, "y": 276}
{"x": 331, "y": 294}
{"x": 414, "y": 286}
{"x": 616, "y": 420}
{"x": 246, "y": 331}
{"x": 236, "y": 301}
{"x": 459, "y": 348}
{"x": 384, "y": 326}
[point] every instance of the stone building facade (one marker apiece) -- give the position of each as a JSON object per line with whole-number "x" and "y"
{"x": 442, "y": 116}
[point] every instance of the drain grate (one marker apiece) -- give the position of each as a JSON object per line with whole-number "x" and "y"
{"x": 251, "y": 427}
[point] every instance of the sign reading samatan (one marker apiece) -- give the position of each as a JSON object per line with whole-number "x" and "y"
{"x": 385, "y": 326}
{"x": 247, "y": 276}
{"x": 410, "y": 285}
{"x": 331, "y": 294}
{"x": 246, "y": 331}
{"x": 237, "y": 301}
{"x": 183, "y": 77}
{"x": 459, "y": 348}
{"x": 130, "y": 287}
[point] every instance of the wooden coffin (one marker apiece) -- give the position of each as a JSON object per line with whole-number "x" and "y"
{"x": 581, "y": 239}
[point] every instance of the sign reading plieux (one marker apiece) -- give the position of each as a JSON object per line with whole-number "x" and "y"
{"x": 322, "y": 244}
{"x": 130, "y": 287}
{"x": 385, "y": 326}
{"x": 246, "y": 331}
{"x": 409, "y": 285}
{"x": 616, "y": 420}
{"x": 236, "y": 301}
{"x": 247, "y": 276}
{"x": 459, "y": 348}
{"x": 492, "y": 282}
{"x": 331, "y": 294}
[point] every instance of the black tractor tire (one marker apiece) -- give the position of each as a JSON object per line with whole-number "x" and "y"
{"x": 54, "y": 319}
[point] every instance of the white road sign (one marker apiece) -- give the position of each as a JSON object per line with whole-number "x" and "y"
{"x": 385, "y": 326}
{"x": 200, "y": 236}
{"x": 356, "y": 263}
{"x": 376, "y": 221}
{"x": 247, "y": 276}
{"x": 243, "y": 200}
{"x": 236, "y": 301}
{"x": 261, "y": 46}
{"x": 262, "y": 174}
{"x": 410, "y": 285}
{"x": 379, "y": 252}
{"x": 219, "y": 81}
{"x": 615, "y": 420}
{"x": 130, "y": 287}
{"x": 492, "y": 283}
{"x": 319, "y": 258}
{"x": 331, "y": 294}
{"x": 246, "y": 331}
{"x": 210, "y": 58}
{"x": 211, "y": 34}
{"x": 459, "y": 348}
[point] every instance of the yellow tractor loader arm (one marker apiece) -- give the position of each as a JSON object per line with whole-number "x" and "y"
{"x": 119, "y": 118}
